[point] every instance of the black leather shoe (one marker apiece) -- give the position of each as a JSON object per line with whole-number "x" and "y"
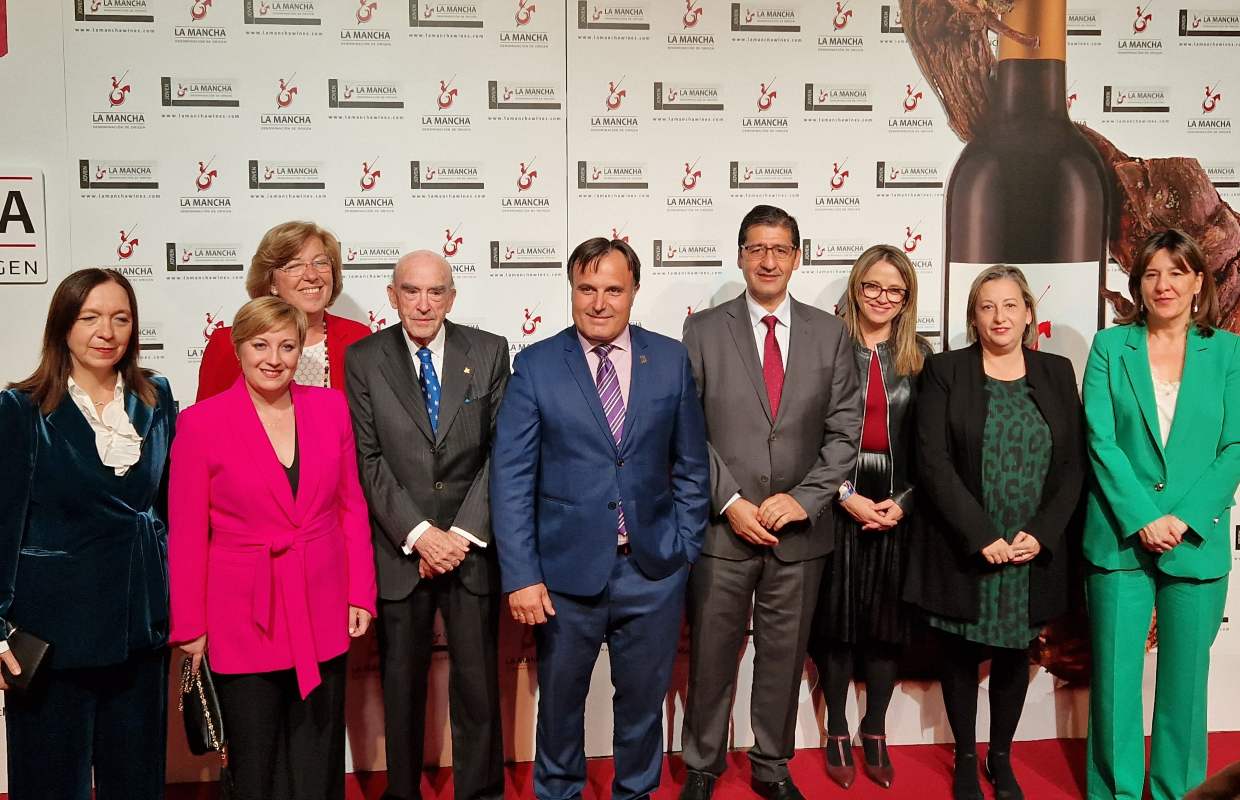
{"x": 999, "y": 773}
{"x": 778, "y": 790}
{"x": 698, "y": 786}
{"x": 965, "y": 785}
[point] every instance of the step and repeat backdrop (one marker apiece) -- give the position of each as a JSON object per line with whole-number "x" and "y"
{"x": 163, "y": 137}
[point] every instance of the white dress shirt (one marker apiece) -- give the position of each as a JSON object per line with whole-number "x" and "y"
{"x": 783, "y": 324}
{"x": 436, "y": 347}
{"x": 116, "y": 439}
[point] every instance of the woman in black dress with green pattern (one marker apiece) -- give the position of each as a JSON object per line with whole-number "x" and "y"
{"x": 1001, "y": 465}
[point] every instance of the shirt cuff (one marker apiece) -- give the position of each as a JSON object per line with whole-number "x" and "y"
{"x": 731, "y": 500}
{"x": 414, "y": 535}
{"x": 472, "y": 539}
{"x": 4, "y": 646}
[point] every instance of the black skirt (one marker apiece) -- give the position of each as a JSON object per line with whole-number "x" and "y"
{"x": 861, "y": 594}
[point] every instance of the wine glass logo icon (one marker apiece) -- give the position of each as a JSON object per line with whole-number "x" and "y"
{"x": 120, "y": 89}
{"x": 447, "y": 94}
{"x": 842, "y": 15}
{"x": 1142, "y": 19}
{"x": 525, "y": 12}
{"x": 452, "y": 242}
{"x": 689, "y": 180}
{"x": 206, "y": 175}
{"x": 766, "y": 95}
{"x": 912, "y": 96}
{"x": 693, "y": 13}
{"x": 1210, "y": 102}
{"x": 911, "y": 237}
{"x": 615, "y": 95}
{"x": 198, "y": 10}
{"x": 532, "y": 321}
{"x": 838, "y": 174}
{"x": 365, "y": 11}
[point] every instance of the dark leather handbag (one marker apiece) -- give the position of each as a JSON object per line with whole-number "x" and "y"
{"x": 200, "y": 709}
{"x": 29, "y": 650}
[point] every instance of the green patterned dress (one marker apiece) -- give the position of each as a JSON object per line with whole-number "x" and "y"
{"x": 1016, "y": 454}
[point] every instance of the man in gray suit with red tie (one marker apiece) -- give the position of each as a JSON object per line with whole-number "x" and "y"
{"x": 779, "y": 387}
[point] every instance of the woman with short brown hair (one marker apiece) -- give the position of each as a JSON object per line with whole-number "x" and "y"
{"x": 299, "y": 262}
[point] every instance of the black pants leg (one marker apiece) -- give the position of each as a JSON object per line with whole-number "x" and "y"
{"x": 1009, "y": 683}
{"x": 112, "y": 718}
{"x": 880, "y": 667}
{"x": 404, "y": 628}
{"x": 262, "y": 709}
{"x": 959, "y": 681}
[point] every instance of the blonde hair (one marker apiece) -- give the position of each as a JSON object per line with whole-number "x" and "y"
{"x": 909, "y": 356}
{"x": 997, "y": 273}
{"x": 281, "y": 245}
{"x": 267, "y": 314}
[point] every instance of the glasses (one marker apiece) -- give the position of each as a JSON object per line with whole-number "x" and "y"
{"x": 873, "y": 291}
{"x": 756, "y": 252}
{"x": 295, "y": 269}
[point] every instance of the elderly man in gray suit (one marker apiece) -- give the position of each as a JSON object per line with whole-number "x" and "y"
{"x": 424, "y": 395}
{"x": 779, "y": 387}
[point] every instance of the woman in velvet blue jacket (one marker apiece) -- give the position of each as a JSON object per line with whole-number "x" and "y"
{"x": 83, "y": 552}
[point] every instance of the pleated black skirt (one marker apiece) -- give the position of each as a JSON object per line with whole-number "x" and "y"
{"x": 861, "y": 595}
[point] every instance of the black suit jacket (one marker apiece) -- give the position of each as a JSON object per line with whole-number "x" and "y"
{"x": 410, "y": 474}
{"x": 945, "y": 560}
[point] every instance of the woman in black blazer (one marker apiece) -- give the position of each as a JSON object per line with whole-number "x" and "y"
{"x": 1001, "y": 463}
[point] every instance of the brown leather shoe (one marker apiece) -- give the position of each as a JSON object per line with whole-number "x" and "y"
{"x": 875, "y": 760}
{"x": 839, "y": 760}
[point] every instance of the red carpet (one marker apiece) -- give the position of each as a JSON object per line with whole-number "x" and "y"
{"x": 1048, "y": 770}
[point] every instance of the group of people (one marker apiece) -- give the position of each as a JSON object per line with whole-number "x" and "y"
{"x": 821, "y": 478}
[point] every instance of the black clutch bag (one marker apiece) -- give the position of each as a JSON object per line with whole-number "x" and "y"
{"x": 29, "y": 650}
{"x": 200, "y": 709}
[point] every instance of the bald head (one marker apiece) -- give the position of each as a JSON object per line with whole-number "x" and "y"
{"x": 423, "y": 259}
{"x": 422, "y": 294}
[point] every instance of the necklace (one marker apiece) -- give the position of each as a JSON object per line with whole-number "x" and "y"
{"x": 327, "y": 376}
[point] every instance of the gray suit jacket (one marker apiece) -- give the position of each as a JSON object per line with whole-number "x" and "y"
{"x": 807, "y": 452}
{"x": 409, "y": 474}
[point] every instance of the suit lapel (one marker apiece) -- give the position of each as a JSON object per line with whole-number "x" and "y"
{"x": 1195, "y": 374}
{"x": 575, "y": 360}
{"x": 141, "y": 416}
{"x": 800, "y": 363}
{"x": 1136, "y": 361}
{"x": 310, "y": 463}
{"x": 262, "y": 455}
{"x": 68, "y": 419}
{"x": 455, "y": 379}
{"x": 639, "y": 381}
{"x": 397, "y": 369}
{"x": 742, "y": 336}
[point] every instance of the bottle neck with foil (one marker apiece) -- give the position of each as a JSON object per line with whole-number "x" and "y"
{"x": 1030, "y": 81}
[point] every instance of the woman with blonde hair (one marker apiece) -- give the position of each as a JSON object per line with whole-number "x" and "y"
{"x": 1001, "y": 463}
{"x": 861, "y": 618}
{"x": 299, "y": 262}
{"x": 270, "y": 557}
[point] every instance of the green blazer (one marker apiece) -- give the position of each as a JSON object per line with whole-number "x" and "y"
{"x": 1135, "y": 479}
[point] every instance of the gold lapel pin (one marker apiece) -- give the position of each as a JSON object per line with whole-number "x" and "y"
{"x": 467, "y": 370}
{"x": 641, "y": 359}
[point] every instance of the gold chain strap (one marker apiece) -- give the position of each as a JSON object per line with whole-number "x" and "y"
{"x": 193, "y": 680}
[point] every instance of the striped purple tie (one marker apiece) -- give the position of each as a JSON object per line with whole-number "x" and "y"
{"x": 608, "y": 385}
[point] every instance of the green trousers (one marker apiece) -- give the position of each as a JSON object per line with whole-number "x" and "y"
{"x": 1189, "y": 614}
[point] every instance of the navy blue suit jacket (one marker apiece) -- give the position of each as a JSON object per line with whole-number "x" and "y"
{"x": 557, "y": 472}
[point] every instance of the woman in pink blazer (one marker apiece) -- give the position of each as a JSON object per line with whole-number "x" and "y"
{"x": 270, "y": 559}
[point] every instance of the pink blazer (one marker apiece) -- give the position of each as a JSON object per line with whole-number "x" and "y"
{"x": 267, "y": 577}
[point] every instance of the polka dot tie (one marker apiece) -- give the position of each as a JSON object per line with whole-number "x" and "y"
{"x": 430, "y": 387}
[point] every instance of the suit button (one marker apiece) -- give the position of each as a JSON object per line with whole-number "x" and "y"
{"x": 612, "y": 505}
{"x": 1158, "y": 487}
{"x": 762, "y": 479}
{"x": 433, "y": 451}
{"x": 619, "y": 462}
{"x": 772, "y": 438}
{"x": 438, "y": 486}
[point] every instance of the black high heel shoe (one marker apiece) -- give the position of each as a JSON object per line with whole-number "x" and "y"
{"x": 999, "y": 773}
{"x": 965, "y": 785}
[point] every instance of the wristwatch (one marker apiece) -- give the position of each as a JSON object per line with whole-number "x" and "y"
{"x": 847, "y": 490}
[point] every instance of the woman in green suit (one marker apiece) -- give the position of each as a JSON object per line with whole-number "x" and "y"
{"x": 1162, "y": 409}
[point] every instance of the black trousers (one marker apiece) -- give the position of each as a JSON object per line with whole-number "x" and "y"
{"x": 265, "y": 714}
{"x": 406, "y": 628}
{"x": 113, "y": 718}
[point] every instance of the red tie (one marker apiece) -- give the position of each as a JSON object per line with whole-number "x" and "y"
{"x": 772, "y": 365}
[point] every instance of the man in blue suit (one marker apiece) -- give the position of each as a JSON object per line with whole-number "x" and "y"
{"x": 599, "y": 500}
